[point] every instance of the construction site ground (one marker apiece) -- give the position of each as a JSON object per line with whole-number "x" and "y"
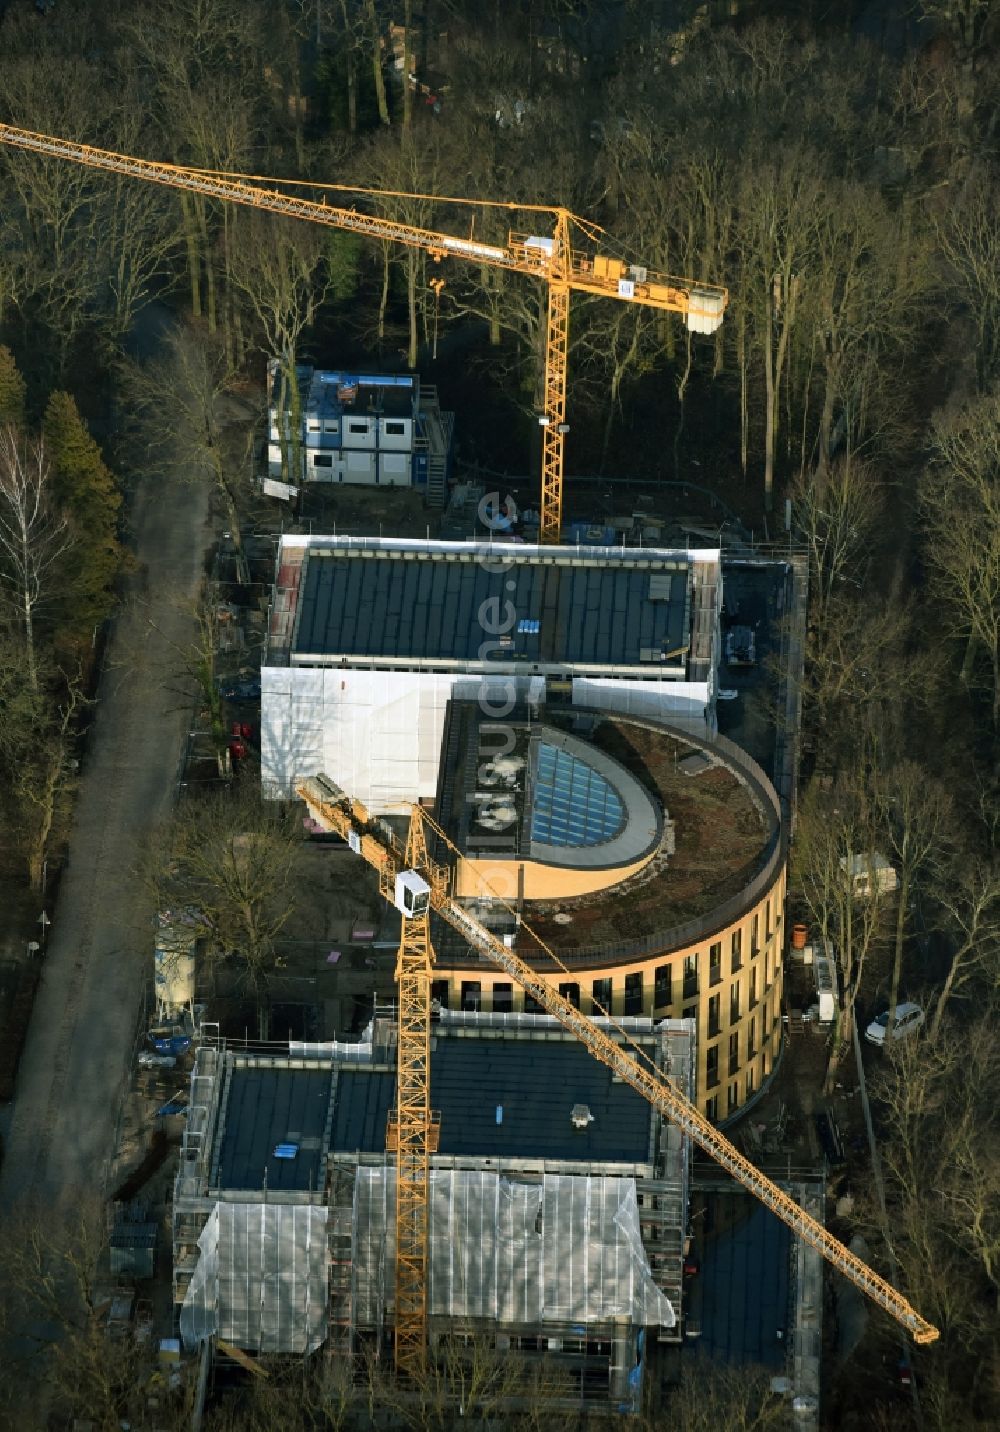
{"x": 338, "y": 955}
{"x": 316, "y": 996}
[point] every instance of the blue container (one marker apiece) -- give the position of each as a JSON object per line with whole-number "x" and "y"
{"x": 170, "y": 1043}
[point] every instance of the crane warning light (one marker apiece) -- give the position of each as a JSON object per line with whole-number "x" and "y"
{"x": 412, "y": 894}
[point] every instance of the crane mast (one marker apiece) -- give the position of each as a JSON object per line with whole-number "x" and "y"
{"x": 553, "y": 418}
{"x": 330, "y": 806}
{"x": 409, "y": 1132}
{"x": 551, "y": 259}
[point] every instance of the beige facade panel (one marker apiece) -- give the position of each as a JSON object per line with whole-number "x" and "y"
{"x": 531, "y": 880}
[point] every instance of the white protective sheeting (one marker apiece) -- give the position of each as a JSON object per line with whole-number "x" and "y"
{"x": 376, "y": 733}
{"x": 681, "y": 703}
{"x": 261, "y": 1279}
{"x": 328, "y": 1050}
{"x": 566, "y": 1250}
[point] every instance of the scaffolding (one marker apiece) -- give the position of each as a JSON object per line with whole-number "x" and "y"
{"x": 340, "y": 1234}
{"x": 527, "y": 1251}
{"x": 261, "y": 1279}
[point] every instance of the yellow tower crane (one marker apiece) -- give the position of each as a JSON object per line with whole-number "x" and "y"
{"x": 549, "y": 257}
{"x": 422, "y": 886}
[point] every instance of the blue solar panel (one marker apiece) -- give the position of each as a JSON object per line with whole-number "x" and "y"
{"x": 573, "y": 804}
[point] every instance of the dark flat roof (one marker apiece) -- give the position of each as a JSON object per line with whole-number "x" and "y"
{"x": 429, "y": 605}
{"x": 267, "y": 1107}
{"x": 536, "y": 1082}
{"x": 744, "y": 1278}
{"x": 360, "y": 1109}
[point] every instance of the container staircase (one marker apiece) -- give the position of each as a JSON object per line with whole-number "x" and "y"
{"x": 435, "y": 443}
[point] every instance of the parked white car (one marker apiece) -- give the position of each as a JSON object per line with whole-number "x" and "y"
{"x": 909, "y": 1017}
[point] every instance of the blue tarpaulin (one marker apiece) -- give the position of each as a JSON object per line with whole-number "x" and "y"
{"x": 170, "y": 1043}
{"x": 176, "y": 1105}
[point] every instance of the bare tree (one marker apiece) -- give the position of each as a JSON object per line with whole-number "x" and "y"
{"x": 967, "y": 895}
{"x": 233, "y": 857}
{"x": 138, "y": 230}
{"x": 917, "y": 813}
{"x": 968, "y": 22}
{"x": 348, "y": 42}
{"x": 50, "y": 217}
{"x": 203, "y": 85}
{"x": 195, "y": 676}
{"x": 293, "y": 1397}
{"x": 375, "y": 42}
{"x": 968, "y": 235}
{"x": 960, "y": 503}
{"x": 279, "y": 266}
{"x": 407, "y": 168}
{"x": 617, "y": 344}
{"x": 43, "y": 779}
{"x": 684, "y": 225}
{"x": 188, "y": 421}
{"x": 941, "y": 1160}
{"x": 835, "y": 829}
{"x": 870, "y": 273}
{"x": 860, "y": 671}
{"x": 60, "y": 1362}
{"x": 779, "y": 205}
{"x": 33, "y": 537}
{"x": 712, "y": 1396}
{"x": 467, "y": 1377}
{"x": 835, "y": 512}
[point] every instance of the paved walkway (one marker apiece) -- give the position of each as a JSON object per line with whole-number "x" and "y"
{"x": 75, "y": 1064}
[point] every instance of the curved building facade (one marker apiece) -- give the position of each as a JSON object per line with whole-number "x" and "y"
{"x": 650, "y": 863}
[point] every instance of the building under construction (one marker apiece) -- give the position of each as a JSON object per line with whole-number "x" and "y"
{"x": 558, "y": 1199}
{"x": 368, "y": 640}
{"x": 651, "y": 862}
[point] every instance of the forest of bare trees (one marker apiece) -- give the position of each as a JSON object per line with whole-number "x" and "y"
{"x": 835, "y": 166}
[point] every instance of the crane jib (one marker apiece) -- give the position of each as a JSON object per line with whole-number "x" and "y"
{"x": 675, "y": 1107}
{"x": 703, "y": 316}
{"x": 549, "y": 259}
{"x": 330, "y": 806}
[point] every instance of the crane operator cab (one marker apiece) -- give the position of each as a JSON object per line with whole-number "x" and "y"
{"x": 412, "y": 895}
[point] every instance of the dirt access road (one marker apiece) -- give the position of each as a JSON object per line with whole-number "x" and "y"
{"x": 74, "y": 1067}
